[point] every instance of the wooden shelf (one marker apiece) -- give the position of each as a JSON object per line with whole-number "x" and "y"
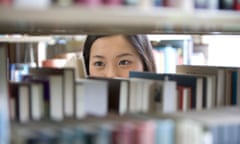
{"x": 83, "y": 20}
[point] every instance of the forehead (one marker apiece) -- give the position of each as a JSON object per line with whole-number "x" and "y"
{"x": 112, "y": 44}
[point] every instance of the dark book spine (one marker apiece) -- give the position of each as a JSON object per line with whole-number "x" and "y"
{"x": 226, "y": 4}
{"x": 113, "y": 96}
{"x": 204, "y": 104}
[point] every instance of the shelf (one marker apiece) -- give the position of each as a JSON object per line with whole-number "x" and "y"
{"x": 83, "y": 20}
{"x": 25, "y": 39}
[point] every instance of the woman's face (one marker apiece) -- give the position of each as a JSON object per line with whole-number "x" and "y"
{"x": 113, "y": 56}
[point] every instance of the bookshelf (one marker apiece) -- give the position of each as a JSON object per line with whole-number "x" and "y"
{"x": 119, "y": 19}
{"x": 81, "y": 20}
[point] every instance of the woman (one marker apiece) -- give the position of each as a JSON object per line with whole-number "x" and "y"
{"x": 116, "y": 55}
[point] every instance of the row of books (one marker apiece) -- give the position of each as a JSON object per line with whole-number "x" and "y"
{"x": 202, "y": 87}
{"x": 184, "y": 4}
{"x": 215, "y": 126}
{"x": 54, "y": 93}
{"x": 224, "y": 89}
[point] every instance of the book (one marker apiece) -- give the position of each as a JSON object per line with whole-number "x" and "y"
{"x": 209, "y": 87}
{"x": 113, "y": 2}
{"x": 37, "y": 101}
{"x": 68, "y": 88}
{"x": 91, "y": 98}
{"x": 219, "y": 73}
{"x": 196, "y": 83}
{"x": 237, "y": 5}
{"x": 55, "y": 77}
{"x": 170, "y": 58}
{"x": 226, "y": 4}
{"x": 20, "y": 102}
{"x": 184, "y": 98}
{"x": 165, "y": 131}
{"x": 144, "y": 132}
{"x": 152, "y": 95}
{"x": 123, "y": 133}
{"x": 44, "y": 81}
{"x": 142, "y": 95}
{"x": 227, "y": 81}
{"x": 38, "y": 93}
{"x": 118, "y": 91}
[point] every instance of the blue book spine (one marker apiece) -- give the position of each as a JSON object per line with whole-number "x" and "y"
{"x": 79, "y": 135}
{"x": 66, "y": 136}
{"x": 234, "y": 87}
{"x": 165, "y": 132}
{"x": 158, "y": 2}
{"x": 170, "y": 59}
{"x": 104, "y": 134}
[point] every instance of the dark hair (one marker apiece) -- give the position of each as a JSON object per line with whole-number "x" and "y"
{"x": 140, "y": 42}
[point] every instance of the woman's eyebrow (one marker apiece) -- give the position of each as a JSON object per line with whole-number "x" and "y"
{"x": 124, "y": 54}
{"x": 98, "y": 56}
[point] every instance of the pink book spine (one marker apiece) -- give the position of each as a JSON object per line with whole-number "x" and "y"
{"x": 113, "y": 2}
{"x": 6, "y": 2}
{"x": 144, "y": 133}
{"x": 89, "y": 2}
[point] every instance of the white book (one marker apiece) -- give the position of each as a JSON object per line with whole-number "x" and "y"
{"x": 24, "y": 103}
{"x": 118, "y": 94}
{"x": 140, "y": 95}
{"x": 37, "y": 99}
{"x": 169, "y": 96}
{"x": 32, "y": 4}
{"x": 56, "y": 97}
{"x": 152, "y": 95}
{"x": 69, "y": 91}
{"x": 124, "y": 89}
{"x": 133, "y": 95}
{"x": 186, "y": 99}
{"x": 79, "y": 101}
{"x": 94, "y": 96}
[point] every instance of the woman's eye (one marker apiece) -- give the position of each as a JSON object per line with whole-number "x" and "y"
{"x": 98, "y": 64}
{"x": 124, "y": 62}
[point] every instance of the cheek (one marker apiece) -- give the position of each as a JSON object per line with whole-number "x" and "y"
{"x": 138, "y": 66}
{"x": 94, "y": 72}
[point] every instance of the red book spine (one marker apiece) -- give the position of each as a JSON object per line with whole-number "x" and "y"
{"x": 123, "y": 134}
{"x": 237, "y": 5}
{"x": 180, "y": 98}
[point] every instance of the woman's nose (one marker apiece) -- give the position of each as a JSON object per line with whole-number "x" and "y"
{"x": 111, "y": 72}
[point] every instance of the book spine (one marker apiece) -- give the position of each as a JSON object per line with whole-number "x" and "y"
{"x": 89, "y": 2}
{"x": 131, "y": 2}
{"x": 226, "y": 4}
{"x": 113, "y": 2}
{"x": 237, "y": 5}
